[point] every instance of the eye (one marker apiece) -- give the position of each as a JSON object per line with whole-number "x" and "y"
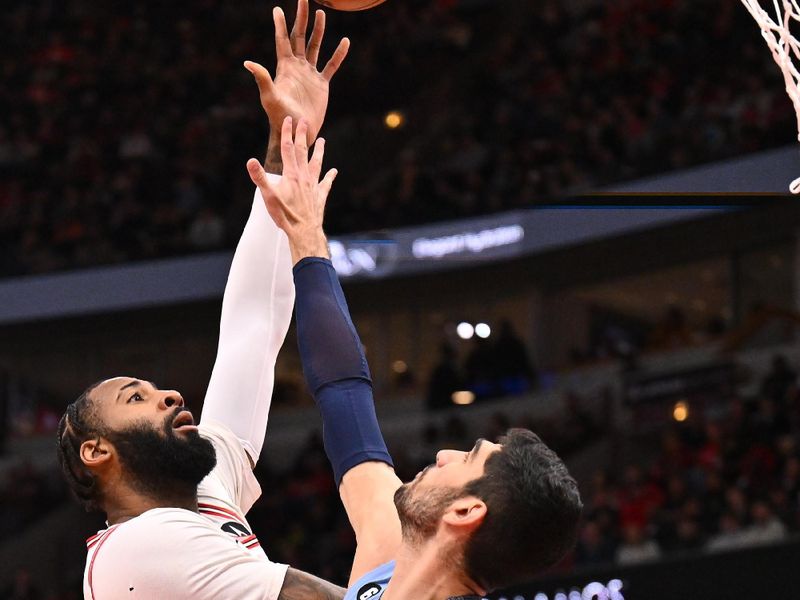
{"x": 135, "y": 398}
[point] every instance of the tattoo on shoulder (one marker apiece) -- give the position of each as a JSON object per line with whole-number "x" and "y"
{"x": 303, "y": 586}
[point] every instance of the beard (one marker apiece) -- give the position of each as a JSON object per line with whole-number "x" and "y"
{"x": 161, "y": 464}
{"x": 421, "y": 511}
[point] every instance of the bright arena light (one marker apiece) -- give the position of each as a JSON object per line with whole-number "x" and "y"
{"x": 463, "y": 397}
{"x": 681, "y": 411}
{"x": 465, "y": 331}
{"x": 399, "y": 366}
{"x": 394, "y": 119}
{"x": 482, "y": 330}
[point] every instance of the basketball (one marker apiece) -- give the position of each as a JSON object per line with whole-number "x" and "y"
{"x": 350, "y": 5}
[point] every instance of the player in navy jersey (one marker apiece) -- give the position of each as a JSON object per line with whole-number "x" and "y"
{"x": 471, "y": 522}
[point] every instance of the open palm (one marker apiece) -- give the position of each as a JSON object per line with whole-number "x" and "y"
{"x": 299, "y": 89}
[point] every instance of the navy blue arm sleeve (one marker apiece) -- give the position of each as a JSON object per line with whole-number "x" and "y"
{"x": 335, "y": 368}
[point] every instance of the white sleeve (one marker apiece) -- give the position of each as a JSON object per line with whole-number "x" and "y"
{"x": 256, "y": 312}
{"x": 176, "y": 556}
{"x": 232, "y": 480}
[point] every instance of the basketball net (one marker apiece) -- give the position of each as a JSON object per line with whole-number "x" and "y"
{"x": 783, "y": 45}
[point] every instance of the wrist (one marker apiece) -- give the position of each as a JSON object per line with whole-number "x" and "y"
{"x": 273, "y": 162}
{"x": 312, "y": 244}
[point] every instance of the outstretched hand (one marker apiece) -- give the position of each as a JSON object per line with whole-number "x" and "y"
{"x": 299, "y": 89}
{"x": 297, "y": 202}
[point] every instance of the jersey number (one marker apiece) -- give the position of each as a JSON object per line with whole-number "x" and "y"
{"x": 368, "y": 591}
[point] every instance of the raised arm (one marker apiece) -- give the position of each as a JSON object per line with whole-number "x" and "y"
{"x": 259, "y": 295}
{"x": 333, "y": 360}
{"x": 256, "y": 311}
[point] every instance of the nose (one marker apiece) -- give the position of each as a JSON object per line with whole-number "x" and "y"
{"x": 444, "y": 457}
{"x": 170, "y": 399}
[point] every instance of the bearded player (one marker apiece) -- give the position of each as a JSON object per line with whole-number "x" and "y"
{"x": 176, "y": 494}
{"x": 471, "y": 522}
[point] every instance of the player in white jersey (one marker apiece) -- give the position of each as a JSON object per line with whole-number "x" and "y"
{"x": 175, "y": 494}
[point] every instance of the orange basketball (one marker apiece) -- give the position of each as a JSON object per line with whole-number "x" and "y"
{"x": 350, "y": 4}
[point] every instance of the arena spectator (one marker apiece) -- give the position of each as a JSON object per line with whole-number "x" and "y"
{"x": 766, "y": 527}
{"x": 594, "y": 546}
{"x": 481, "y": 369}
{"x": 779, "y": 380}
{"x": 444, "y": 380}
{"x": 730, "y": 535}
{"x": 636, "y": 547}
{"x": 514, "y": 371}
{"x": 22, "y": 587}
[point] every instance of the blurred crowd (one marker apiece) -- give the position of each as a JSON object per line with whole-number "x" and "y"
{"x": 26, "y": 493}
{"x": 126, "y": 125}
{"x": 719, "y": 482}
{"x": 493, "y": 368}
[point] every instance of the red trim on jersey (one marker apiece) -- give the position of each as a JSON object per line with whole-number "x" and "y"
{"x": 221, "y": 509}
{"x": 255, "y": 544}
{"x": 91, "y": 564}
{"x": 92, "y": 541}
{"x": 211, "y": 513}
{"x": 247, "y": 539}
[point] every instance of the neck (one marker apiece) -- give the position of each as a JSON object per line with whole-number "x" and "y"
{"x": 131, "y": 503}
{"x": 422, "y": 572}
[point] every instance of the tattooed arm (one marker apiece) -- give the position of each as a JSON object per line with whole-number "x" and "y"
{"x": 304, "y": 586}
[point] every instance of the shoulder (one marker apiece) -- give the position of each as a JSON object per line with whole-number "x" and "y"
{"x": 371, "y": 585}
{"x": 155, "y": 529}
{"x": 140, "y": 548}
{"x": 202, "y": 560}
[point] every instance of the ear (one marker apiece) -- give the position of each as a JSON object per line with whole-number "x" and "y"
{"x": 96, "y": 452}
{"x": 467, "y": 512}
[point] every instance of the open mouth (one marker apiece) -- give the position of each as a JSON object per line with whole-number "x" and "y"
{"x": 183, "y": 421}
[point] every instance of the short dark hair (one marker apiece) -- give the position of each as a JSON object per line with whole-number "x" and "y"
{"x": 533, "y": 509}
{"x": 78, "y": 424}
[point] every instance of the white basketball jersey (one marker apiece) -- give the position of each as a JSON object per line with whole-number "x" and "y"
{"x": 174, "y": 553}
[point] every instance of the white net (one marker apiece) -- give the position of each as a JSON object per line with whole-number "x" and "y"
{"x": 784, "y": 46}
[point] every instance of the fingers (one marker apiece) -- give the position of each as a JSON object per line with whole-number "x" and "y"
{"x": 301, "y": 145}
{"x": 325, "y": 185}
{"x": 288, "y": 155}
{"x": 257, "y": 173}
{"x": 299, "y": 29}
{"x": 283, "y": 46}
{"x": 312, "y": 52}
{"x": 336, "y": 60}
{"x": 268, "y": 194}
{"x": 315, "y": 164}
{"x": 263, "y": 79}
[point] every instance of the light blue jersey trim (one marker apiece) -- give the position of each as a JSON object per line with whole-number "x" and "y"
{"x": 372, "y": 585}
